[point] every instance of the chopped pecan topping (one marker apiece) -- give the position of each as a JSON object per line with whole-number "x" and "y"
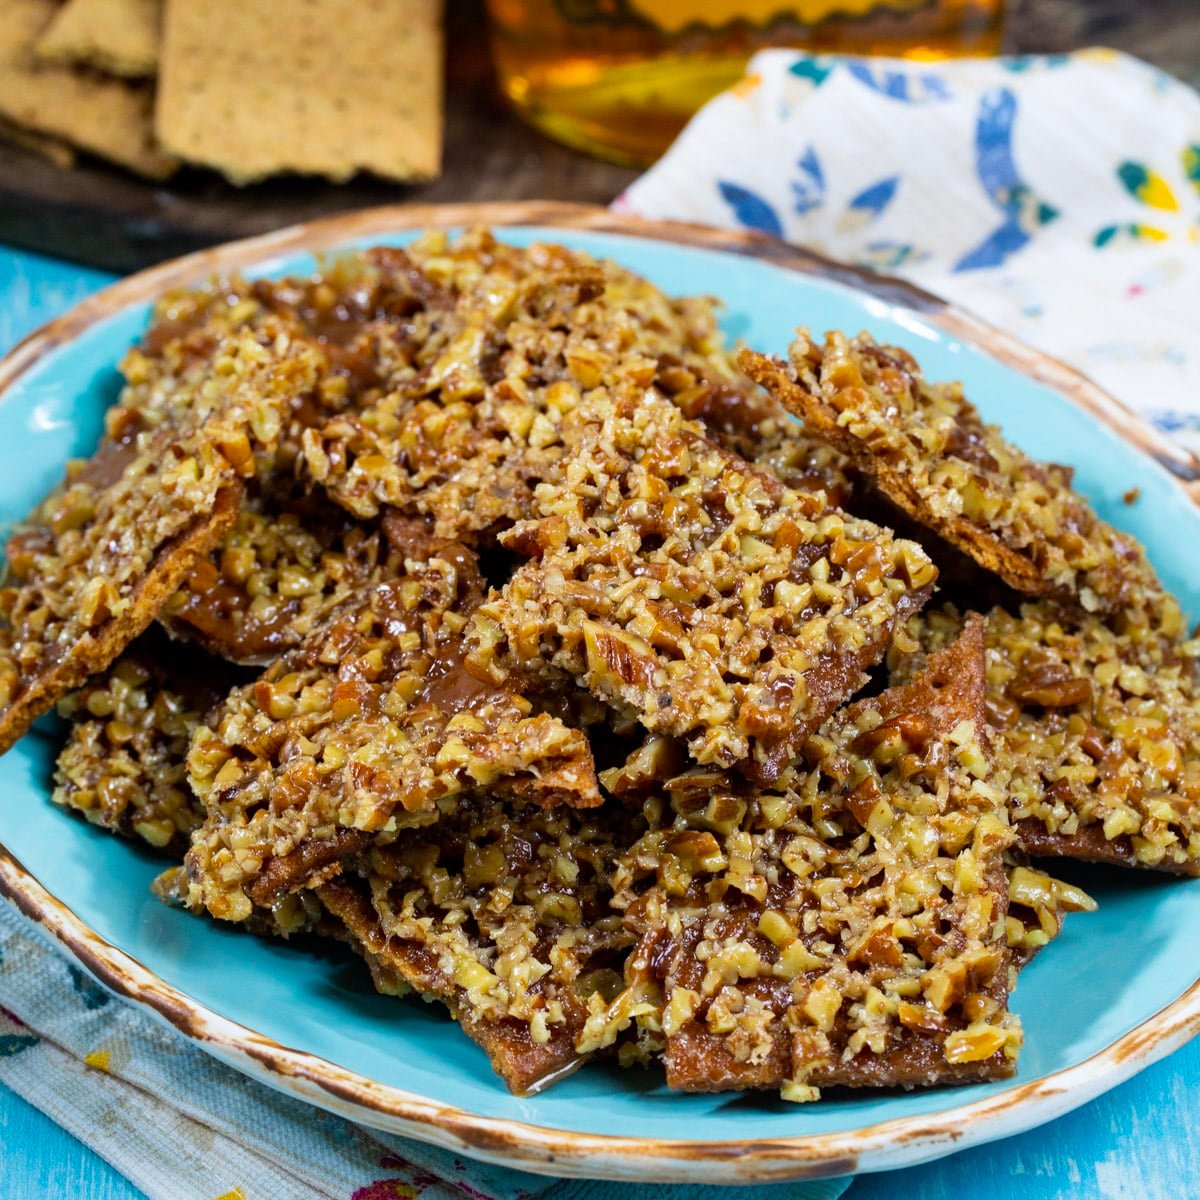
{"x": 1098, "y": 732}
{"x": 465, "y": 434}
{"x": 486, "y": 516}
{"x": 694, "y": 592}
{"x": 849, "y": 927}
{"x": 926, "y": 448}
{"x": 127, "y": 528}
{"x": 504, "y": 915}
{"x": 124, "y": 764}
{"x": 1037, "y": 905}
{"x": 1050, "y": 684}
{"x": 363, "y": 317}
{"x": 288, "y": 563}
{"x": 364, "y": 730}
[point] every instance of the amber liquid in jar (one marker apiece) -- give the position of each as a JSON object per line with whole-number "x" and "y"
{"x": 620, "y": 78}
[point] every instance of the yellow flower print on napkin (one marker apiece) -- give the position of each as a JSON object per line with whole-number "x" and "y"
{"x": 111, "y": 1056}
{"x": 1152, "y": 189}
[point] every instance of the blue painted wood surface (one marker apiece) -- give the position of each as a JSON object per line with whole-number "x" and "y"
{"x": 40, "y": 1161}
{"x": 1138, "y": 1142}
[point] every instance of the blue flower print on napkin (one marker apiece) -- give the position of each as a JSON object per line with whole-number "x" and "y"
{"x": 908, "y": 87}
{"x": 869, "y": 204}
{"x": 1020, "y": 64}
{"x": 751, "y": 209}
{"x": 1175, "y": 422}
{"x": 864, "y": 209}
{"x": 90, "y": 993}
{"x": 891, "y": 255}
{"x": 808, "y": 187}
{"x": 997, "y": 170}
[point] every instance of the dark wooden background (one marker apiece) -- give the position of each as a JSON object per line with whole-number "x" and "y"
{"x": 103, "y": 217}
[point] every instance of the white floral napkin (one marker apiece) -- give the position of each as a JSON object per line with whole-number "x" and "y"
{"x": 1056, "y": 196}
{"x": 181, "y": 1126}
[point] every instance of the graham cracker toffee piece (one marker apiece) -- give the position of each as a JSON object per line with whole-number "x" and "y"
{"x": 845, "y": 928}
{"x": 108, "y": 117}
{"x": 124, "y": 766}
{"x": 472, "y": 420}
{"x": 256, "y": 88}
{"x": 98, "y": 559}
{"x": 59, "y": 628}
{"x": 749, "y": 421}
{"x": 286, "y": 565}
{"x": 694, "y": 593}
{"x": 361, "y": 316}
{"x": 371, "y": 726}
{"x": 118, "y": 37}
{"x": 926, "y": 448}
{"x": 1097, "y": 733}
{"x": 502, "y": 913}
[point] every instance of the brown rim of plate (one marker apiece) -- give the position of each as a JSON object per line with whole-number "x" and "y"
{"x": 899, "y": 1142}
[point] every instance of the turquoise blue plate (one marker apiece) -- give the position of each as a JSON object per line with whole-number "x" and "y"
{"x": 1118, "y": 989}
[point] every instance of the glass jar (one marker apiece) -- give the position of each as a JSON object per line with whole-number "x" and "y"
{"x": 620, "y": 78}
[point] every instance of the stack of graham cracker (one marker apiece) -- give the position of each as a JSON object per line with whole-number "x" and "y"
{"x": 250, "y": 88}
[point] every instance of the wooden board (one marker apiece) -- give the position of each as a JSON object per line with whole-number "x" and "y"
{"x": 108, "y": 219}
